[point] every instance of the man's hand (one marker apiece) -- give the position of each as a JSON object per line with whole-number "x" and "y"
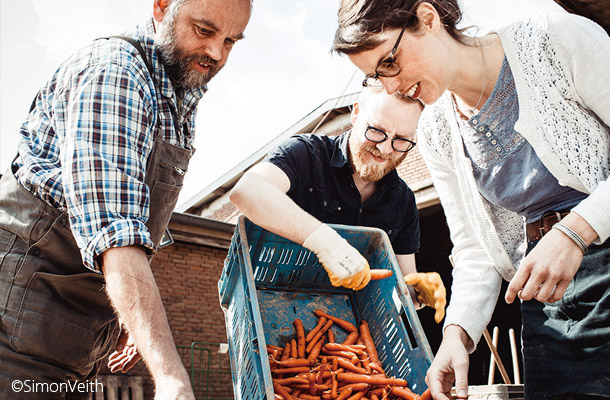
{"x": 430, "y": 291}
{"x": 450, "y": 365}
{"x": 343, "y": 263}
{"x": 126, "y": 354}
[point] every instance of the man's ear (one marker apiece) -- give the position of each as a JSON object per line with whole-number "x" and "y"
{"x": 159, "y": 9}
{"x": 354, "y": 114}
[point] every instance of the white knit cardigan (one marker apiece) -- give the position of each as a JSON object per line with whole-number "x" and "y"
{"x": 561, "y": 67}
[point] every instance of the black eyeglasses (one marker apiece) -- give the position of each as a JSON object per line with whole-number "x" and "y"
{"x": 387, "y": 67}
{"x": 376, "y": 135}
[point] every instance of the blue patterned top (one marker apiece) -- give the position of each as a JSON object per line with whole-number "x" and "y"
{"x": 507, "y": 170}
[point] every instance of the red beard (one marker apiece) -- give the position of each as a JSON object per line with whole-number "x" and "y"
{"x": 369, "y": 169}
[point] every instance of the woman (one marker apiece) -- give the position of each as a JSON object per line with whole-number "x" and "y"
{"x": 516, "y": 134}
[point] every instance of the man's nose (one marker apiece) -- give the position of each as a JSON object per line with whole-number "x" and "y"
{"x": 385, "y": 147}
{"x": 214, "y": 49}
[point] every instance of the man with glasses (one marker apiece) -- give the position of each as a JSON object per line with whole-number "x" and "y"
{"x": 311, "y": 180}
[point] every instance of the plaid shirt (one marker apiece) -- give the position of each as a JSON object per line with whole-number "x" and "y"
{"x": 84, "y": 147}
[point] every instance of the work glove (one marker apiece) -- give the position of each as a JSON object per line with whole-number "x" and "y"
{"x": 344, "y": 264}
{"x": 430, "y": 291}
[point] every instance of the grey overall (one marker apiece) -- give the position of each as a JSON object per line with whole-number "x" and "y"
{"x": 56, "y": 322}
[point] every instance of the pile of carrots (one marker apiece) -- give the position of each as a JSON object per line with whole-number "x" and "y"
{"x": 315, "y": 367}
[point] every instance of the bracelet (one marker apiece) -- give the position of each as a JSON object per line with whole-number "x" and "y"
{"x": 572, "y": 235}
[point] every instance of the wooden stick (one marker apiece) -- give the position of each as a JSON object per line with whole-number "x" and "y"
{"x": 513, "y": 350}
{"x": 492, "y": 361}
{"x": 497, "y": 357}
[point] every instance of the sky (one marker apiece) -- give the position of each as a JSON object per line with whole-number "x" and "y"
{"x": 280, "y": 72}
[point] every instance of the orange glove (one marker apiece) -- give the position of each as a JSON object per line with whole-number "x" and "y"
{"x": 344, "y": 264}
{"x": 430, "y": 291}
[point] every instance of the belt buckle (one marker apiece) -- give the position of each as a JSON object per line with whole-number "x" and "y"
{"x": 547, "y": 214}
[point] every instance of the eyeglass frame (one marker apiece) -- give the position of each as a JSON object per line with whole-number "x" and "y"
{"x": 390, "y": 59}
{"x": 413, "y": 144}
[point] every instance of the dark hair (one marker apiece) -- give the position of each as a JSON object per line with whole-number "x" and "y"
{"x": 361, "y": 21}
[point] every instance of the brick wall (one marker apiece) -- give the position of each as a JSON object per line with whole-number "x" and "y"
{"x": 413, "y": 169}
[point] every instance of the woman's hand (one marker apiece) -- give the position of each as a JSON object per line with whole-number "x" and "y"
{"x": 548, "y": 269}
{"x": 450, "y": 365}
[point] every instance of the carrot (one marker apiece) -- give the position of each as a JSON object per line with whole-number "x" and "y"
{"x": 354, "y": 348}
{"x": 319, "y": 335}
{"x": 320, "y": 375}
{"x": 278, "y": 397}
{"x": 312, "y": 384}
{"x": 296, "y": 362}
{"x": 358, "y": 395}
{"x": 333, "y": 386}
{"x": 292, "y": 370}
{"x": 306, "y": 396}
{"x": 349, "y": 327}
{"x": 351, "y": 338}
{"x": 345, "y": 394}
{"x": 367, "y": 339}
{"x": 376, "y": 367}
{"x": 331, "y": 336}
{"x": 286, "y": 352}
{"x": 281, "y": 390}
{"x": 374, "y": 397}
{"x": 377, "y": 274}
{"x": 312, "y": 333}
{"x": 357, "y": 387}
{"x": 350, "y": 367}
{"x": 290, "y": 381}
{"x": 298, "y": 326}
{"x": 270, "y": 348}
{"x": 376, "y": 380}
{"x": 315, "y": 351}
{"x": 426, "y": 395}
{"x": 404, "y": 393}
{"x": 293, "y": 349}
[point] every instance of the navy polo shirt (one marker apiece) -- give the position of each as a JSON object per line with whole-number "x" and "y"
{"x": 321, "y": 183}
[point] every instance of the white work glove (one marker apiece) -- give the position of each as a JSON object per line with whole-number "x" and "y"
{"x": 344, "y": 264}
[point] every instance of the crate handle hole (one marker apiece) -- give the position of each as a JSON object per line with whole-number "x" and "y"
{"x": 405, "y": 321}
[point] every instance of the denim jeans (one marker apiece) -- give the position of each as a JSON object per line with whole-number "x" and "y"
{"x": 566, "y": 345}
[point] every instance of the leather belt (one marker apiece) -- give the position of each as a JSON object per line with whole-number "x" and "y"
{"x": 537, "y": 229}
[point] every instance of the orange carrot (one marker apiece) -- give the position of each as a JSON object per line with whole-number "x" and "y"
{"x": 351, "y": 338}
{"x": 367, "y": 339}
{"x": 296, "y": 362}
{"x": 281, "y": 390}
{"x": 350, "y": 367}
{"x": 293, "y": 349}
{"x": 318, "y": 335}
{"x": 345, "y": 394}
{"x": 312, "y": 333}
{"x": 377, "y": 274}
{"x": 349, "y": 327}
{"x": 404, "y": 393}
{"x": 298, "y": 325}
{"x": 286, "y": 352}
{"x": 376, "y": 380}
{"x": 426, "y": 395}
{"x": 315, "y": 351}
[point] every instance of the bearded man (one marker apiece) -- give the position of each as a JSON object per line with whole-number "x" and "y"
{"x": 84, "y": 205}
{"x": 311, "y": 180}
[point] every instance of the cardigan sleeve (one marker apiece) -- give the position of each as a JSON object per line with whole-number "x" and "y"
{"x": 476, "y": 282}
{"x": 585, "y": 47}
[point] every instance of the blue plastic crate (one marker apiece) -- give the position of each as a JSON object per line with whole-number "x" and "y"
{"x": 268, "y": 281}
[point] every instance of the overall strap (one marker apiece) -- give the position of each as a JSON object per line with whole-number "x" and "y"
{"x": 138, "y": 47}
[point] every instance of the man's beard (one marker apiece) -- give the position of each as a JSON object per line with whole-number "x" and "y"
{"x": 368, "y": 169}
{"x": 177, "y": 64}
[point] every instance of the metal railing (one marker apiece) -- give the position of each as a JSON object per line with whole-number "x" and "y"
{"x": 209, "y": 370}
